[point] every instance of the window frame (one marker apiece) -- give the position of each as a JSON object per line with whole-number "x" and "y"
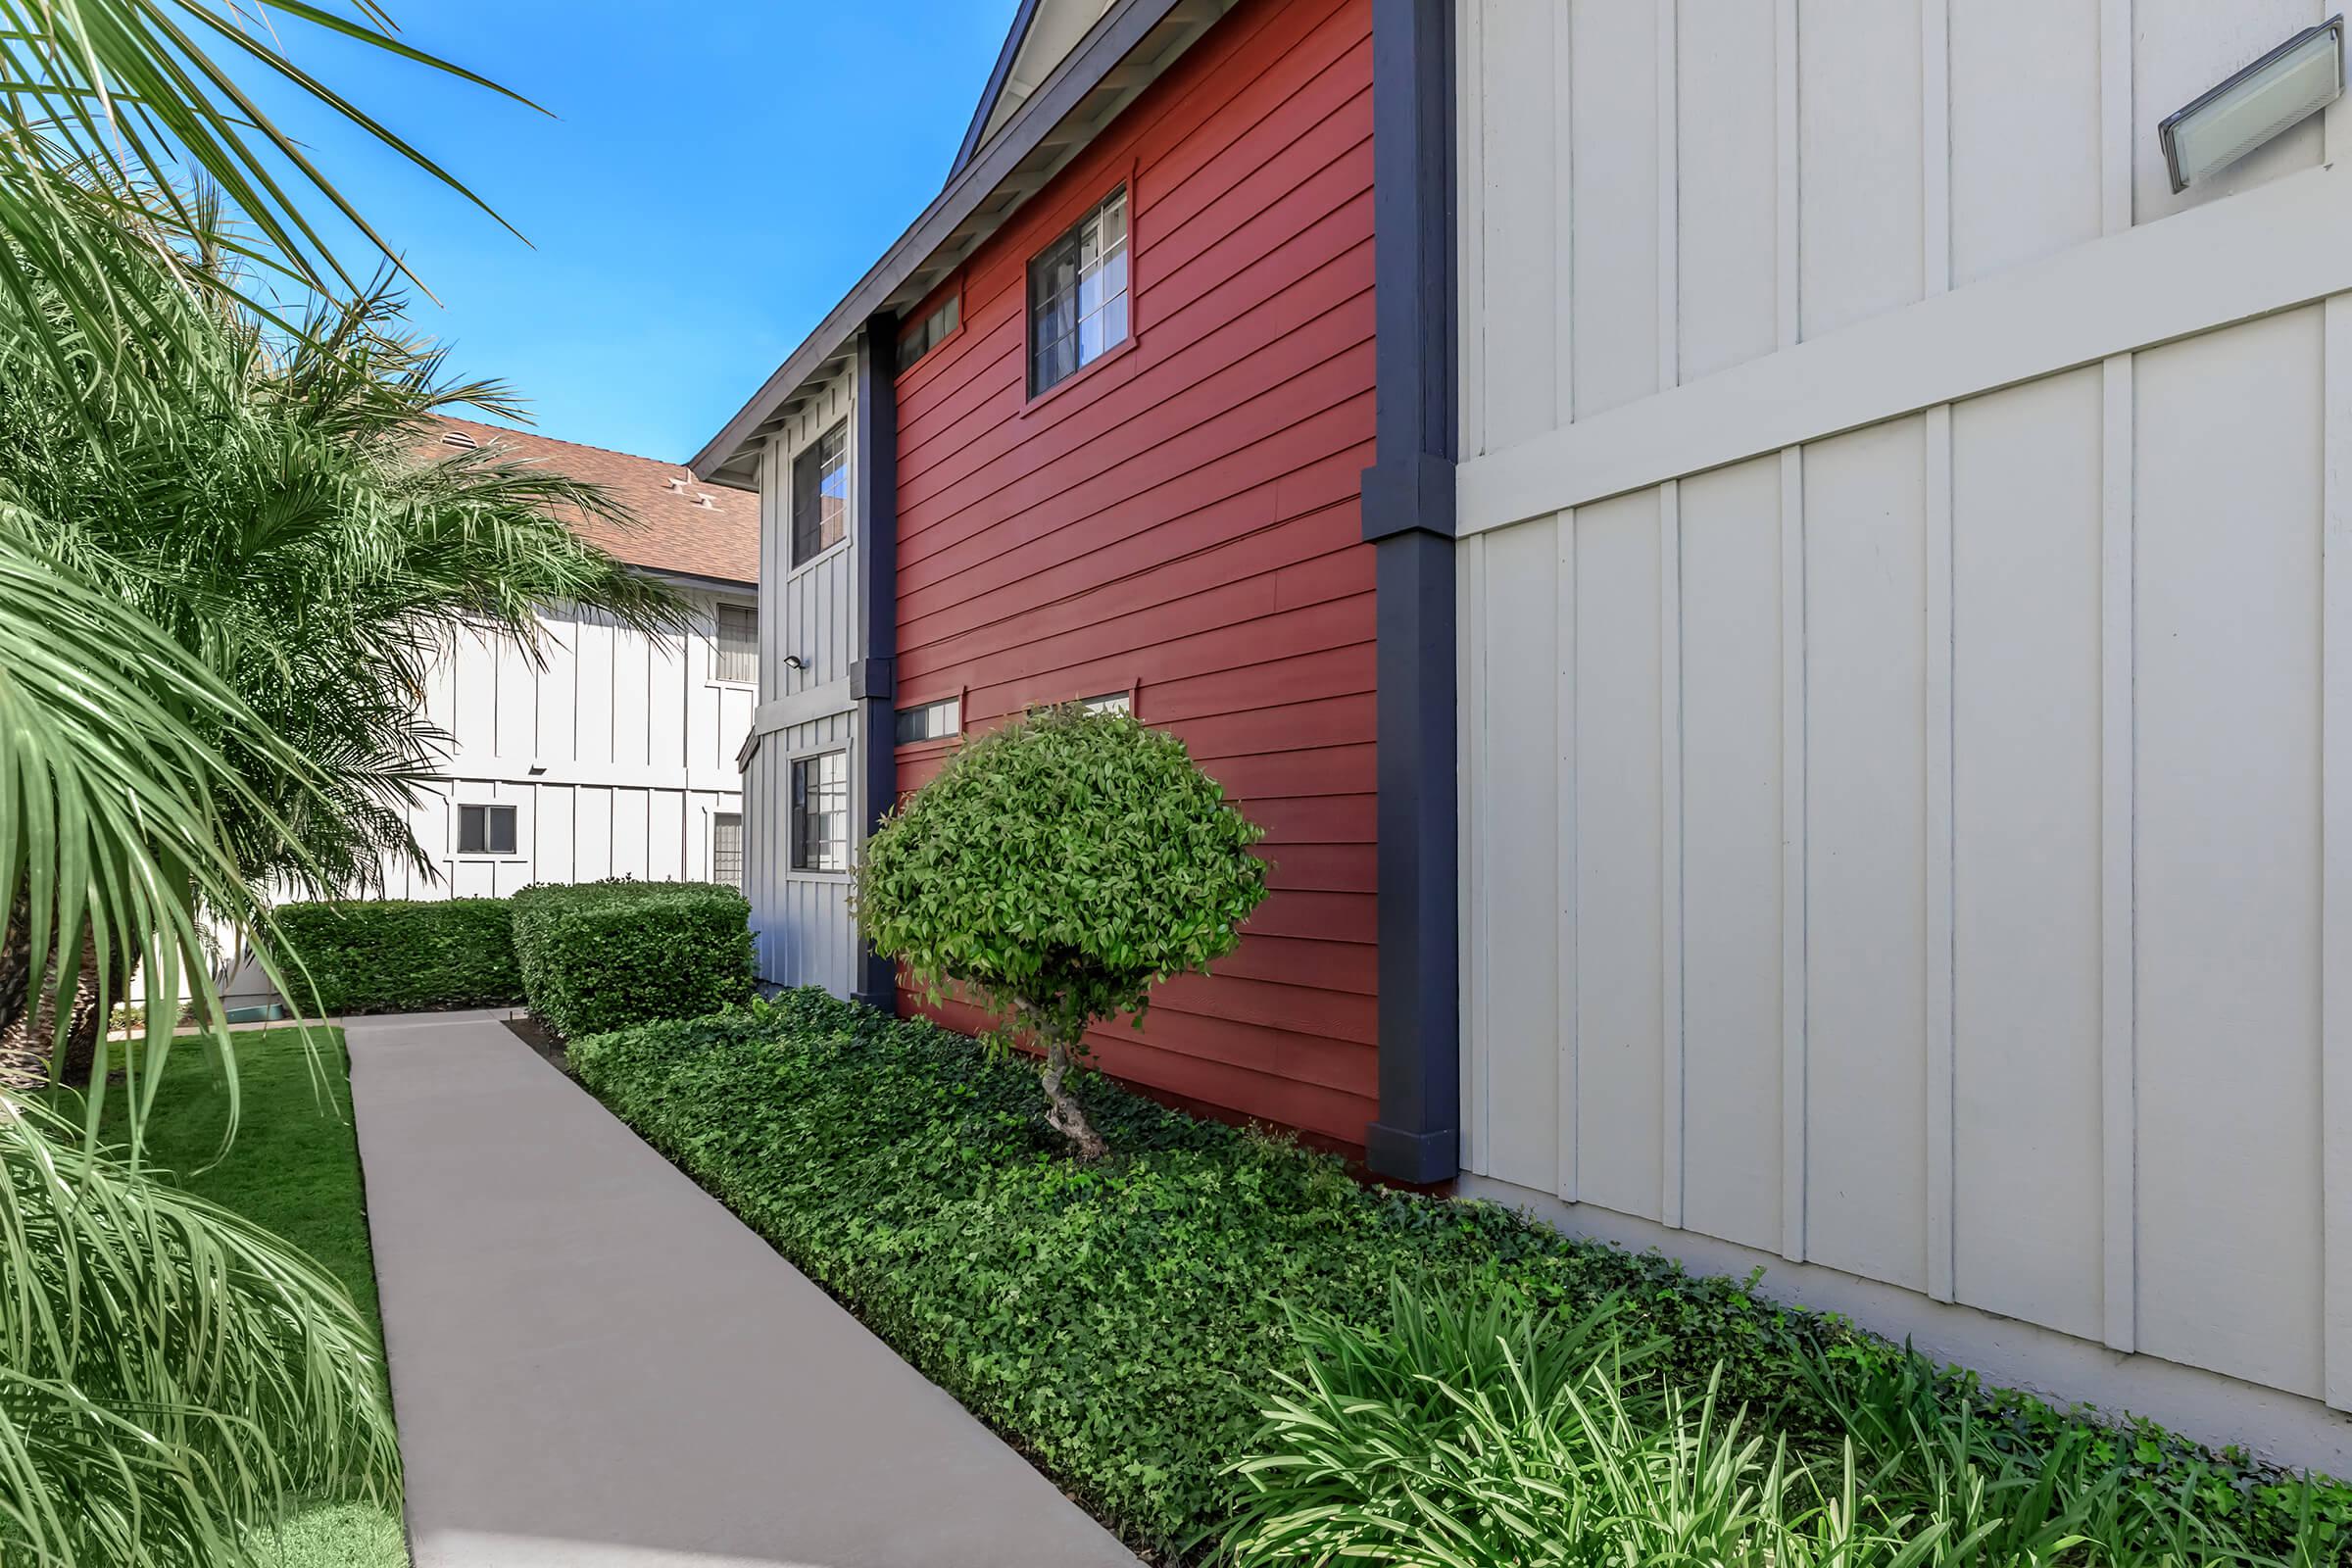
{"x": 1122, "y": 187}
{"x": 795, "y": 561}
{"x": 798, "y": 812}
{"x": 718, "y": 653}
{"x": 720, "y": 820}
{"x": 953, "y": 300}
{"x": 489, "y": 850}
{"x": 954, "y": 732}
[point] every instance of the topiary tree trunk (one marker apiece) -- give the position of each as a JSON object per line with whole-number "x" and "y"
{"x": 1064, "y": 1113}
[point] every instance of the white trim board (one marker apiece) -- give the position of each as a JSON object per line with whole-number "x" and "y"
{"x": 2282, "y": 245}
{"x": 801, "y": 708}
{"x": 566, "y": 774}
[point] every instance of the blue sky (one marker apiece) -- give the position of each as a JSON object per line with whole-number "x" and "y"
{"x": 716, "y": 176}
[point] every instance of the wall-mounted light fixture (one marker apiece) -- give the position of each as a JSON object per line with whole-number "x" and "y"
{"x": 2221, "y": 126}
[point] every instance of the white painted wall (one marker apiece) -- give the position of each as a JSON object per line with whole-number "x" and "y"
{"x": 617, "y": 754}
{"x": 1902, "y": 720}
{"x": 803, "y": 933}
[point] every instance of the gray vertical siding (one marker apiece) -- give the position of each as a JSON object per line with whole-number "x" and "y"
{"x": 617, "y": 749}
{"x": 804, "y": 933}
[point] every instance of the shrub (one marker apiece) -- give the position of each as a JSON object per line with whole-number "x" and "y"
{"x": 599, "y": 956}
{"x": 1463, "y": 1435}
{"x": 1125, "y": 1322}
{"x": 1055, "y": 870}
{"x": 394, "y": 956}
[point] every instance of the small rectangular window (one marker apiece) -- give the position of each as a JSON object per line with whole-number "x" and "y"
{"x": 1109, "y": 703}
{"x": 821, "y": 494}
{"x": 485, "y": 830}
{"x": 726, "y": 849}
{"x": 820, "y": 813}
{"x": 930, "y": 722}
{"x": 735, "y": 653}
{"x": 931, "y": 331}
{"x": 1078, "y": 295}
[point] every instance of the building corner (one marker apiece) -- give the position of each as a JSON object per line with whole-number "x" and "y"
{"x": 1408, "y": 517}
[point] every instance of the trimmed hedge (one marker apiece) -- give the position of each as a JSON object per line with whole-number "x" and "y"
{"x": 1123, "y": 1322}
{"x": 386, "y": 955}
{"x": 599, "y": 956}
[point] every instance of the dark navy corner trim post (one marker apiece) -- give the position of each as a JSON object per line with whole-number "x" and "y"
{"x": 1408, "y": 517}
{"x": 873, "y": 687}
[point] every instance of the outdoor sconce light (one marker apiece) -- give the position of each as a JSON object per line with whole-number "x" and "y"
{"x": 2296, "y": 80}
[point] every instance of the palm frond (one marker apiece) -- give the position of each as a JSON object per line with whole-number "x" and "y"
{"x": 150, "y": 91}
{"x": 113, "y": 808}
{"x": 170, "y": 1375}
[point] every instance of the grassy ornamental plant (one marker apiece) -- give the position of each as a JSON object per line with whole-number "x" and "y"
{"x": 1056, "y": 869}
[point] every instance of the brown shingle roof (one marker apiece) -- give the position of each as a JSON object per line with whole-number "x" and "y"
{"x": 703, "y": 530}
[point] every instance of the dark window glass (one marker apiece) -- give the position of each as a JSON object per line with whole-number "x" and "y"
{"x": 736, "y": 655}
{"x": 930, "y": 722}
{"x": 821, "y": 494}
{"x": 820, "y": 813}
{"x": 726, "y": 849}
{"x": 1078, "y": 295}
{"x": 932, "y": 330}
{"x": 485, "y": 830}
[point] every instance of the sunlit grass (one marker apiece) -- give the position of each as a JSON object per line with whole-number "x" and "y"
{"x": 293, "y": 1169}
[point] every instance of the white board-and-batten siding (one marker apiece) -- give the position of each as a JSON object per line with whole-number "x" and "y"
{"x": 617, "y": 749}
{"x": 803, "y": 933}
{"x": 1907, "y": 678}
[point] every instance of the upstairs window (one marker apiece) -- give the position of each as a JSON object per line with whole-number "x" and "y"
{"x": 1078, "y": 295}
{"x": 735, "y": 651}
{"x": 821, "y": 494}
{"x": 932, "y": 722}
{"x": 931, "y": 331}
{"x": 485, "y": 830}
{"x": 820, "y": 813}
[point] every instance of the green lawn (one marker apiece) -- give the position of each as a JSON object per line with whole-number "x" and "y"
{"x": 295, "y": 1169}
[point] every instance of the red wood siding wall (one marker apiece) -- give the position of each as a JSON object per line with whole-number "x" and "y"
{"x": 1181, "y": 519}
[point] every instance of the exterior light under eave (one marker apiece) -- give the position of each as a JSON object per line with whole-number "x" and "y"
{"x": 2281, "y": 90}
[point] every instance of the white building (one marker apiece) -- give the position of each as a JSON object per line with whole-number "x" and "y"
{"x": 617, "y": 758}
{"x": 1906, "y": 677}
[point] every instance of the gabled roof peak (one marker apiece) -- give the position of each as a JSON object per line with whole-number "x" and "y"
{"x": 1042, "y": 35}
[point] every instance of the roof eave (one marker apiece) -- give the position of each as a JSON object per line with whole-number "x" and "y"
{"x": 1014, "y": 36}
{"x": 727, "y": 458}
{"x": 691, "y": 581}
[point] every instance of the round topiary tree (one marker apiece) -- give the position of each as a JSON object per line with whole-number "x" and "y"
{"x": 1055, "y": 870}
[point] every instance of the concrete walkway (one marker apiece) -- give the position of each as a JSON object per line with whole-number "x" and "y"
{"x": 595, "y": 1365}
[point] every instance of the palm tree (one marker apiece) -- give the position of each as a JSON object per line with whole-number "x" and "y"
{"x": 167, "y": 1375}
{"x": 288, "y": 515}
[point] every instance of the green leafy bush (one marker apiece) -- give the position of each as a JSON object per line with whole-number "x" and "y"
{"x": 392, "y": 956}
{"x": 1055, "y": 870}
{"x": 1124, "y": 1322}
{"x": 598, "y": 956}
